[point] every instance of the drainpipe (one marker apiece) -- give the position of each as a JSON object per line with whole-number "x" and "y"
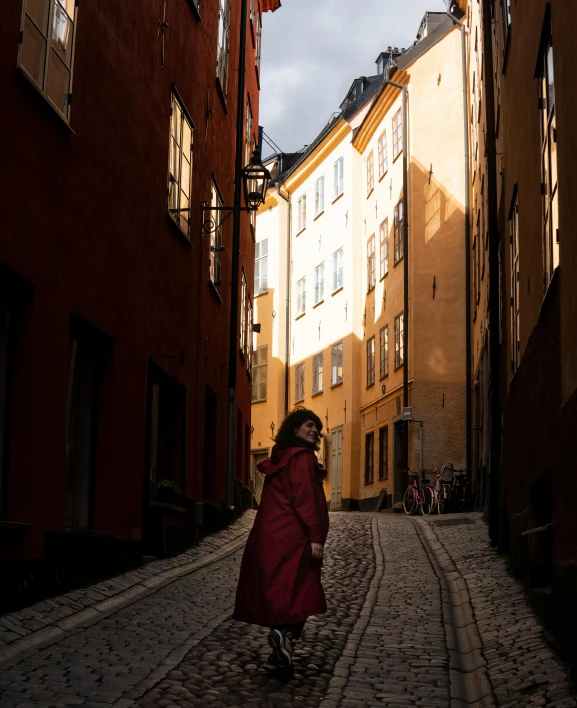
{"x": 468, "y": 350}
{"x": 288, "y": 300}
{"x": 235, "y": 279}
{"x": 405, "y": 268}
{"x": 494, "y": 314}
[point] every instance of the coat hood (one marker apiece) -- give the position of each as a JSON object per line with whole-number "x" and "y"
{"x": 280, "y": 457}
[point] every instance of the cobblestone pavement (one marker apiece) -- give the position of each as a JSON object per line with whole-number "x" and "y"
{"x": 420, "y": 614}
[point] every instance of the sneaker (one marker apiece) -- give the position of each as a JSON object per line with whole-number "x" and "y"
{"x": 281, "y": 643}
{"x": 272, "y": 663}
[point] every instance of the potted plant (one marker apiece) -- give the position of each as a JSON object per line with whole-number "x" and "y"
{"x": 169, "y": 492}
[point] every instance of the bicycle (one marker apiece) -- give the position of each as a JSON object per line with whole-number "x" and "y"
{"x": 418, "y": 496}
{"x": 444, "y": 487}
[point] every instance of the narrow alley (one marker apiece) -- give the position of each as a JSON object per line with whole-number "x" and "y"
{"x": 422, "y": 612}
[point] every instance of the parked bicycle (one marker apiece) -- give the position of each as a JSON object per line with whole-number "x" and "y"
{"x": 418, "y": 498}
{"x": 451, "y": 489}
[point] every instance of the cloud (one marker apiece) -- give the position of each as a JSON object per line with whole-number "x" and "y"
{"x": 312, "y": 51}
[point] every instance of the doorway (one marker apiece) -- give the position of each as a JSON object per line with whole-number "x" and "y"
{"x": 336, "y": 469}
{"x": 399, "y": 481}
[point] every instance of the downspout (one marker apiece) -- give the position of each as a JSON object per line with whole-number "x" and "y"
{"x": 235, "y": 279}
{"x": 494, "y": 314}
{"x": 405, "y": 273}
{"x": 468, "y": 347}
{"x": 288, "y": 300}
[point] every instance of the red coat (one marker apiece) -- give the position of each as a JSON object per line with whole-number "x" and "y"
{"x": 280, "y": 582}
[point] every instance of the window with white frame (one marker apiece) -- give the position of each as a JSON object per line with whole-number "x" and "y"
{"x": 384, "y": 351}
{"x": 180, "y": 166}
{"x": 337, "y": 364}
{"x": 370, "y": 173}
{"x": 382, "y": 155}
{"x": 248, "y": 339}
{"x": 317, "y": 374}
{"x": 371, "y": 264}
{"x": 399, "y": 343}
{"x": 216, "y": 238}
{"x": 46, "y": 51}
{"x": 319, "y": 283}
{"x": 338, "y": 177}
{"x": 338, "y": 269}
{"x": 300, "y": 382}
{"x": 261, "y": 267}
{"x": 506, "y": 10}
{"x": 301, "y": 213}
{"x": 370, "y": 361}
{"x": 248, "y": 133}
{"x": 243, "y": 310}
{"x": 319, "y": 195}
{"x": 223, "y": 43}
{"x": 549, "y": 190}
{"x": 384, "y": 245}
{"x": 514, "y": 248}
{"x": 258, "y": 39}
{"x": 301, "y": 296}
{"x": 259, "y": 374}
{"x": 398, "y": 232}
{"x": 397, "y": 133}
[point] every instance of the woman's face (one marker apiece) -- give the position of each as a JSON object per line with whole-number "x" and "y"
{"x": 308, "y": 431}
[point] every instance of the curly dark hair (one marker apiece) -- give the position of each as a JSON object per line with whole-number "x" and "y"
{"x": 286, "y": 434}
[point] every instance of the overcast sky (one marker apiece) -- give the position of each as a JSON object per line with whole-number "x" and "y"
{"x": 312, "y": 51}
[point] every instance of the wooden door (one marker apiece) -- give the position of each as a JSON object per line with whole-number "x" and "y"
{"x": 336, "y": 469}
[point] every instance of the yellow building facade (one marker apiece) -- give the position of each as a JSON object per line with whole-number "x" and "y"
{"x": 332, "y": 314}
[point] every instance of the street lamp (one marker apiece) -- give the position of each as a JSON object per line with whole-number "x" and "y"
{"x": 255, "y": 179}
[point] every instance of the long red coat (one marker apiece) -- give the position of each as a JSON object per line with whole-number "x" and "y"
{"x": 280, "y": 581}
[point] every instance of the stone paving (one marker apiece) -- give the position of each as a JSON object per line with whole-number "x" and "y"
{"x": 419, "y": 614}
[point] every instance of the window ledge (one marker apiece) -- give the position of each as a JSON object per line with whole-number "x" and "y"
{"x": 369, "y": 194}
{"x": 400, "y": 366}
{"x": 370, "y": 290}
{"x": 396, "y": 263}
{"x": 338, "y": 383}
{"x": 264, "y": 292}
{"x": 214, "y": 290}
{"x": 55, "y": 112}
{"x": 222, "y": 95}
{"x": 370, "y": 385}
{"x": 300, "y": 400}
{"x": 318, "y": 393}
{"x": 383, "y": 276}
{"x": 15, "y": 526}
{"x": 261, "y": 400}
{"x": 385, "y": 173}
{"x": 181, "y": 233}
{"x": 319, "y": 215}
{"x": 320, "y": 302}
{"x": 368, "y": 484}
{"x": 338, "y": 290}
{"x": 298, "y": 233}
{"x": 336, "y": 199}
{"x": 195, "y": 10}
{"x": 298, "y": 317}
{"x": 397, "y": 156}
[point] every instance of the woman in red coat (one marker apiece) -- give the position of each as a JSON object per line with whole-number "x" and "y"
{"x": 280, "y": 576}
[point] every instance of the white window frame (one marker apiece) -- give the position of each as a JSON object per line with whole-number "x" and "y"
{"x": 320, "y": 195}
{"x": 259, "y": 374}
{"x": 398, "y": 231}
{"x": 258, "y": 40}
{"x": 383, "y": 155}
{"x": 223, "y": 47}
{"x": 248, "y": 132}
{"x": 338, "y": 273}
{"x": 216, "y": 247}
{"x": 371, "y": 263}
{"x": 243, "y": 313}
{"x": 300, "y": 382}
{"x": 399, "y": 341}
{"x": 180, "y": 165}
{"x": 318, "y": 374}
{"x": 338, "y": 177}
{"x": 301, "y": 213}
{"x": 337, "y": 364}
{"x": 397, "y": 133}
{"x": 370, "y": 172}
{"x": 384, "y": 352}
{"x": 371, "y": 361}
{"x": 384, "y": 247}
{"x": 301, "y": 296}
{"x": 57, "y": 32}
{"x": 261, "y": 267}
{"x": 319, "y": 283}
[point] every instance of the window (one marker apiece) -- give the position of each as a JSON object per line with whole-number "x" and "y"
{"x": 398, "y": 232}
{"x": 384, "y": 351}
{"x": 319, "y": 283}
{"x": 261, "y": 267}
{"x": 336, "y": 364}
{"x": 506, "y": 9}
{"x": 399, "y": 343}
{"x": 384, "y": 254}
{"x": 180, "y": 166}
{"x": 369, "y": 458}
{"x": 317, "y": 374}
{"x": 514, "y": 245}
{"x": 371, "y": 264}
{"x": 383, "y": 156}
{"x": 243, "y": 311}
{"x": 549, "y": 162}
{"x": 338, "y": 269}
{"x": 47, "y": 47}
{"x": 370, "y": 361}
{"x": 258, "y": 39}
{"x": 300, "y": 382}
{"x": 248, "y": 133}
{"x": 248, "y": 340}
{"x": 397, "y": 133}
{"x": 338, "y": 169}
{"x": 301, "y": 296}
{"x": 370, "y": 173}
{"x": 319, "y": 195}
{"x": 259, "y": 374}
{"x": 384, "y": 453}
{"x": 223, "y": 43}
{"x": 216, "y": 238}
{"x": 301, "y": 213}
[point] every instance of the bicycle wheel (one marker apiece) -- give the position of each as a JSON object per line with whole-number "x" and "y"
{"x": 409, "y": 500}
{"x": 427, "y": 505}
{"x": 442, "y": 505}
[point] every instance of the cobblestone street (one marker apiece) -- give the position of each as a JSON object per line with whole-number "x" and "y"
{"x": 421, "y": 613}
